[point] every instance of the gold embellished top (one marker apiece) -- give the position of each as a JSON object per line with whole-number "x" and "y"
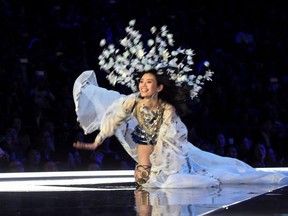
{"x": 146, "y": 132}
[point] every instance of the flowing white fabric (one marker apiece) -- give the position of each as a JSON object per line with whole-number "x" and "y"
{"x": 176, "y": 163}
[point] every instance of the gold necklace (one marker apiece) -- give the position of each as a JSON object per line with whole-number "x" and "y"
{"x": 150, "y": 121}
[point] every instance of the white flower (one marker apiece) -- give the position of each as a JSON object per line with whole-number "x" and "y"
{"x": 189, "y": 58}
{"x": 184, "y": 78}
{"x": 206, "y": 63}
{"x": 208, "y": 75}
{"x": 189, "y": 52}
{"x": 186, "y": 68}
{"x": 124, "y": 75}
{"x": 164, "y": 28}
{"x": 165, "y": 55}
{"x": 190, "y": 62}
{"x": 174, "y": 53}
{"x": 123, "y": 64}
{"x": 110, "y": 64}
{"x": 132, "y": 22}
{"x": 191, "y": 77}
{"x": 111, "y": 48}
{"x": 190, "y": 83}
{"x": 128, "y": 29}
{"x": 112, "y": 79}
{"x": 101, "y": 62}
{"x": 170, "y": 36}
{"x": 193, "y": 94}
{"x": 140, "y": 53}
{"x": 102, "y": 42}
{"x": 136, "y": 40}
{"x": 170, "y": 41}
{"x": 173, "y": 62}
{"x": 163, "y": 34}
{"x": 139, "y": 67}
{"x": 147, "y": 67}
{"x": 150, "y": 42}
{"x": 153, "y": 29}
{"x": 179, "y": 79}
{"x": 125, "y": 54}
{"x": 133, "y": 50}
{"x": 124, "y": 42}
{"x": 197, "y": 88}
{"x": 106, "y": 53}
{"x": 134, "y": 34}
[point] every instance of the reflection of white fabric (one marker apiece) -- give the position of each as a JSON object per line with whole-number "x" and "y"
{"x": 176, "y": 163}
{"x": 196, "y": 201}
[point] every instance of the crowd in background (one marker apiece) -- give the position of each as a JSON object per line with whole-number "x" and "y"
{"x": 44, "y": 46}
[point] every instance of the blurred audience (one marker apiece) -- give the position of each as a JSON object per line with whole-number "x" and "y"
{"x": 46, "y": 45}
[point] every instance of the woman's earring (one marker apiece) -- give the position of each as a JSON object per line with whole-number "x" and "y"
{"x": 154, "y": 96}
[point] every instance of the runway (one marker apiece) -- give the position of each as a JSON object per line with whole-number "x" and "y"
{"x": 88, "y": 193}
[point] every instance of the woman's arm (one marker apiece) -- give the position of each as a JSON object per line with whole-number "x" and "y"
{"x": 116, "y": 114}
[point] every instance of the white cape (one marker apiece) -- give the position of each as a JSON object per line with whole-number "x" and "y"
{"x": 176, "y": 163}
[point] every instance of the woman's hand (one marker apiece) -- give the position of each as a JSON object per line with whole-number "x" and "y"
{"x": 85, "y": 146}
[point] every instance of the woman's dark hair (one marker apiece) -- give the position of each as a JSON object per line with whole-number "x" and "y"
{"x": 177, "y": 96}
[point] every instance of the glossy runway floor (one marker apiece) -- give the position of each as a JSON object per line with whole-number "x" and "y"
{"x": 114, "y": 193}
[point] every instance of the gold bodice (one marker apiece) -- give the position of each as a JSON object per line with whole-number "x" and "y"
{"x": 149, "y": 120}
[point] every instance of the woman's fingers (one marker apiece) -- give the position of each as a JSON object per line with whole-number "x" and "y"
{"x": 81, "y": 145}
{"x": 77, "y": 144}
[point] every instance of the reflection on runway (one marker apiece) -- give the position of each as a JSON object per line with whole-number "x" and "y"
{"x": 195, "y": 201}
{"x": 114, "y": 193}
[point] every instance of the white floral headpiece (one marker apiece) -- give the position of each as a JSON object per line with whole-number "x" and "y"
{"x": 124, "y": 66}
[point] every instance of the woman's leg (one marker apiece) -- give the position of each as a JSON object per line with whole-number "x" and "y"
{"x": 143, "y": 168}
{"x": 143, "y": 152}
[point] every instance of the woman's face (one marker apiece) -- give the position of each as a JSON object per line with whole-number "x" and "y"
{"x": 148, "y": 85}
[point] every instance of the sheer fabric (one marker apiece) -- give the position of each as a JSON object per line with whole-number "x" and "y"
{"x": 176, "y": 163}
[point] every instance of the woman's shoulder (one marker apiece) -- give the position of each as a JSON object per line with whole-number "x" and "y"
{"x": 130, "y": 100}
{"x": 167, "y": 106}
{"x": 132, "y": 97}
